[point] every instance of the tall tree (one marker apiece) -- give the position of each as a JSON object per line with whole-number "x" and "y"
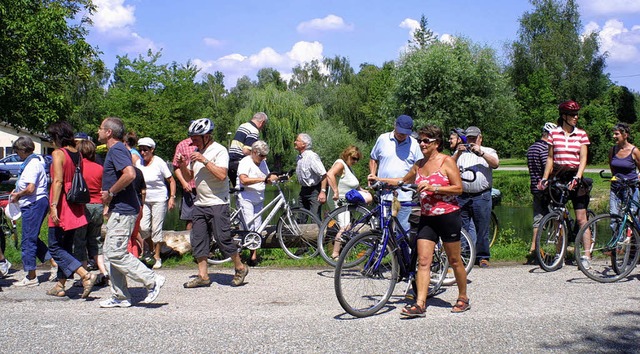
{"x": 423, "y": 36}
{"x": 270, "y": 76}
{"x": 42, "y": 46}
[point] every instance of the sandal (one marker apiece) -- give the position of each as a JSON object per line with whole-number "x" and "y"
{"x": 412, "y": 311}
{"x": 57, "y": 291}
{"x": 461, "y": 305}
{"x": 87, "y": 284}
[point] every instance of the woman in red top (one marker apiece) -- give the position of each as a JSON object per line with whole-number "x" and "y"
{"x": 439, "y": 182}
{"x": 65, "y": 218}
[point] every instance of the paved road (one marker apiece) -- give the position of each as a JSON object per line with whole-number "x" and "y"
{"x": 515, "y": 309}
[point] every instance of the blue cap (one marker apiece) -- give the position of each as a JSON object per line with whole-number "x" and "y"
{"x": 81, "y": 136}
{"x": 404, "y": 125}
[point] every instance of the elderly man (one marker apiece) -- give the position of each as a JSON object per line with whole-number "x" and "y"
{"x": 208, "y": 167}
{"x": 311, "y": 175}
{"x": 392, "y": 156}
{"x": 118, "y": 193}
{"x": 475, "y": 200}
{"x": 247, "y": 134}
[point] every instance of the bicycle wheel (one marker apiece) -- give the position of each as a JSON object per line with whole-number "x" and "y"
{"x": 298, "y": 233}
{"x": 611, "y": 252}
{"x": 468, "y": 253}
{"x": 7, "y": 230}
{"x": 340, "y": 225}
{"x": 364, "y": 289}
{"x": 439, "y": 267}
{"x": 494, "y": 228}
{"x": 551, "y": 241}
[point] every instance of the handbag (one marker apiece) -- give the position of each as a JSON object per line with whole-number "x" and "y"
{"x": 79, "y": 192}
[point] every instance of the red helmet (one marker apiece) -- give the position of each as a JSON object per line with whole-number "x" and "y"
{"x": 569, "y": 107}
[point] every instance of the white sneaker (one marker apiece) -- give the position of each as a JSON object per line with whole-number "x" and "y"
{"x": 155, "y": 290}
{"x": 53, "y": 274}
{"x": 4, "y": 268}
{"x": 158, "y": 264}
{"x": 26, "y": 282}
{"x": 113, "y": 302}
{"x": 586, "y": 262}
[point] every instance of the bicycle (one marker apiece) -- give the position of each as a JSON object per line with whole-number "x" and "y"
{"x": 294, "y": 224}
{"x": 494, "y": 226}
{"x": 610, "y": 253}
{"x": 556, "y": 228}
{"x": 372, "y": 262}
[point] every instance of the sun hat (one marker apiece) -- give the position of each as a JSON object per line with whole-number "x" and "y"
{"x": 147, "y": 142}
{"x": 12, "y": 211}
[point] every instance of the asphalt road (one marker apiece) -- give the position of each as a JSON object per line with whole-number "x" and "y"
{"x": 515, "y": 309}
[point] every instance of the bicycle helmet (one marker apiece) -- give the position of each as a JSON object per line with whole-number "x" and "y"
{"x": 569, "y": 107}
{"x": 548, "y": 127}
{"x": 201, "y": 126}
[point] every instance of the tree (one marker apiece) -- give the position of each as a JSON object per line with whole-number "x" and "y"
{"x": 42, "y": 47}
{"x": 270, "y": 76}
{"x": 422, "y": 36}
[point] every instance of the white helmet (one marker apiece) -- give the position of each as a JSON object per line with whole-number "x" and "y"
{"x": 548, "y": 127}
{"x": 200, "y": 126}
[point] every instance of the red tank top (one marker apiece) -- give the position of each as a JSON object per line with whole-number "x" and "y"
{"x": 71, "y": 215}
{"x": 436, "y": 204}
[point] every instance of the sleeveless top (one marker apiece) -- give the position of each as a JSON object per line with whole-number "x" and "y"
{"x": 432, "y": 204}
{"x": 71, "y": 215}
{"x": 623, "y": 167}
{"x": 348, "y": 180}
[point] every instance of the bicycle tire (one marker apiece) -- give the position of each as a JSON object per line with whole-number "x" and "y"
{"x": 468, "y": 254}
{"x": 606, "y": 260}
{"x": 364, "y": 289}
{"x": 215, "y": 255}
{"x": 551, "y": 241}
{"x": 292, "y": 228}
{"x": 330, "y": 228}
{"x": 7, "y": 230}
{"x": 494, "y": 228}
{"x": 439, "y": 267}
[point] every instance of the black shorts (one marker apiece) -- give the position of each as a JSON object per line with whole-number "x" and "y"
{"x": 207, "y": 221}
{"x": 445, "y": 227}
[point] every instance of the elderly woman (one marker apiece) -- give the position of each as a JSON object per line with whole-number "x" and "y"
{"x": 64, "y": 217}
{"x": 156, "y": 173}
{"x": 31, "y": 195}
{"x": 253, "y": 174}
{"x": 347, "y": 182}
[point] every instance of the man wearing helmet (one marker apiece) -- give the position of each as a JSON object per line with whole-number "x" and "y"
{"x": 567, "y": 160}
{"x": 536, "y": 161}
{"x": 208, "y": 167}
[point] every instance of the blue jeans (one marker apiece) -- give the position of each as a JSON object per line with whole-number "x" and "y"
{"x": 477, "y": 208}
{"x": 61, "y": 247}
{"x": 32, "y": 246}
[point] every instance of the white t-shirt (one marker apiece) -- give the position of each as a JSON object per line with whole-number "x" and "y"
{"x": 33, "y": 173}
{"x": 155, "y": 175}
{"x": 255, "y": 191}
{"x": 209, "y": 190}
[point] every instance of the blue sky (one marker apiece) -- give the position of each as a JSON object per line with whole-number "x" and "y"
{"x": 240, "y": 37}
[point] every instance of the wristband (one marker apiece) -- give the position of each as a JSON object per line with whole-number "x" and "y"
{"x": 323, "y": 190}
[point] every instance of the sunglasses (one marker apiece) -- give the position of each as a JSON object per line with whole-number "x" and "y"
{"x": 144, "y": 149}
{"x": 426, "y": 140}
{"x": 355, "y": 159}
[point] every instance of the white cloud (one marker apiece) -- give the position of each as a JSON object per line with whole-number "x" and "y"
{"x": 622, "y": 44}
{"x": 609, "y": 7}
{"x": 410, "y": 24}
{"x": 329, "y": 23}
{"x": 114, "y": 22}
{"x": 237, "y": 65}
{"x": 212, "y": 42}
{"x": 413, "y": 25}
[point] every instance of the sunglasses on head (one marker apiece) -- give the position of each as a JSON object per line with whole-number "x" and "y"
{"x": 426, "y": 140}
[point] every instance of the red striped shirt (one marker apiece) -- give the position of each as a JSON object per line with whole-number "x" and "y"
{"x": 566, "y": 148}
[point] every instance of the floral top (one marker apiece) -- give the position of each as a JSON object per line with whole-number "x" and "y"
{"x": 432, "y": 204}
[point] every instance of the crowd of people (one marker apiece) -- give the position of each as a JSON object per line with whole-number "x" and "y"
{"x": 133, "y": 189}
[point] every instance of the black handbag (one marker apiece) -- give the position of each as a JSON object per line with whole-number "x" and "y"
{"x": 79, "y": 192}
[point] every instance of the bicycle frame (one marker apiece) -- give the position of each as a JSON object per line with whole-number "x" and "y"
{"x": 628, "y": 216}
{"x": 275, "y": 206}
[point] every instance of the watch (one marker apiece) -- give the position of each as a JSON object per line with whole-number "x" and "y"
{"x": 206, "y": 162}
{"x": 111, "y": 194}
{"x": 323, "y": 190}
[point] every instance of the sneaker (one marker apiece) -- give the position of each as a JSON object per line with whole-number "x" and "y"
{"x": 53, "y": 274}
{"x": 197, "y": 282}
{"x": 26, "y": 282}
{"x": 4, "y": 268}
{"x": 158, "y": 264}
{"x": 155, "y": 290}
{"x": 238, "y": 279}
{"x": 113, "y": 302}
{"x": 586, "y": 262}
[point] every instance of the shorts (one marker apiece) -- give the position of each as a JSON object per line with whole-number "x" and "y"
{"x": 540, "y": 207}
{"x": 186, "y": 208}
{"x": 445, "y": 227}
{"x": 211, "y": 220}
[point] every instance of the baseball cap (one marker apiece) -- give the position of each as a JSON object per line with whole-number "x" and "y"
{"x": 81, "y": 136}
{"x": 404, "y": 124}
{"x": 147, "y": 142}
{"x": 472, "y": 131}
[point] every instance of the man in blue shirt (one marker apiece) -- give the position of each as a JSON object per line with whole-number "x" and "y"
{"x": 120, "y": 197}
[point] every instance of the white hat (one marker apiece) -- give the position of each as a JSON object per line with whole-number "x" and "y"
{"x": 147, "y": 142}
{"x": 12, "y": 211}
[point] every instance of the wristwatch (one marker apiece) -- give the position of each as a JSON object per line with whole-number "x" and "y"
{"x": 206, "y": 162}
{"x": 111, "y": 194}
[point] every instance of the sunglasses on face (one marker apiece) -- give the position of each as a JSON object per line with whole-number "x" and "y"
{"x": 355, "y": 159}
{"x": 426, "y": 140}
{"x": 145, "y": 149}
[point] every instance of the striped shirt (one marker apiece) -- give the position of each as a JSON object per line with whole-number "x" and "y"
{"x": 536, "y": 161}
{"x": 246, "y": 135}
{"x": 484, "y": 173}
{"x": 566, "y": 148}
{"x": 309, "y": 169}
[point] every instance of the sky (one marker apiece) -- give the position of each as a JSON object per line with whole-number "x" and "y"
{"x": 240, "y": 37}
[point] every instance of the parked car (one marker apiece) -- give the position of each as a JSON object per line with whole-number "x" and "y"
{"x": 10, "y": 166}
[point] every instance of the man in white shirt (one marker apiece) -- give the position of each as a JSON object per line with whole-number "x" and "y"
{"x": 311, "y": 175}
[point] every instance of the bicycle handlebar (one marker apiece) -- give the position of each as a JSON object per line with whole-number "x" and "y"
{"x": 463, "y": 170}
